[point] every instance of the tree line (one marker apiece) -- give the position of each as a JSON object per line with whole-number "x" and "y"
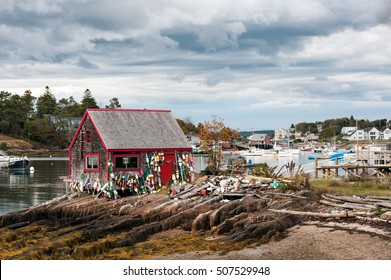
{"x": 332, "y": 127}
{"x": 44, "y": 119}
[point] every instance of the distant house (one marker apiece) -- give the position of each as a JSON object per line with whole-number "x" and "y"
{"x": 67, "y": 123}
{"x": 348, "y": 130}
{"x": 281, "y": 134}
{"x": 124, "y": 141}
{"x": 319, "y": 127}
{"x": 387, "y": 134}
{"x": 259, "y": 140}
{"x": 311, "y": 137}
{"x": 194, "y": 141}
{"x": 355, "y": 135}
{"x": 372, "y": 133}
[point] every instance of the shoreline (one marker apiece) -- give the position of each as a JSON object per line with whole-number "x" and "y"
{"x": 312, "y": 240}
{"x": 80, "y": 226}
{"x": 39, "y": 153}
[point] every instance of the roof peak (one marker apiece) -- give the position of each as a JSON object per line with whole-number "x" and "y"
{"x": 128, "y": 110}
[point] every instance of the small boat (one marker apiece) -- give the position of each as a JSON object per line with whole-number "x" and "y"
{"x": 253, "y": 151}
{"x": 317, "y": 153}
{"x": 330, "y": 154}
{"x": 18, "y": 163}
{"x": 13, "y": 162}
{"x": 306, "y": 149}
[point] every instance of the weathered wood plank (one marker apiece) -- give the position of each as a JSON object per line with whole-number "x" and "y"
{"x": 344, "y": 214}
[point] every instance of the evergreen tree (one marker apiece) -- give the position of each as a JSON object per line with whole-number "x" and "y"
{"x": 114, "y": 103}
{"x": 46, "y": 103}
{"x": 27, "y": 102}
{"x": 88, "y": 101}
{"x": 4, "y": 112}
{"x": 352, "y": 121}
{"x": 68, "y": 107}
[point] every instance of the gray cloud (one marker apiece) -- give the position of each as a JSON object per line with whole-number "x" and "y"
{"x": 258, "y": 53}
{"x": 219, "y": 76}
{"x": 384, "y": 15}
{"x": 177, "y": 78}
{"x": 84, "y": 63}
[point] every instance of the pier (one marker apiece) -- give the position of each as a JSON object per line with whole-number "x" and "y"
{"x": 360, "y": 167}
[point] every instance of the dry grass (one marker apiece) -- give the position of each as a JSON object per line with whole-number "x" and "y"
{"x": 360, "y": 188}
{"x": 35, "y": 242}
{"x": 174, "y": 242}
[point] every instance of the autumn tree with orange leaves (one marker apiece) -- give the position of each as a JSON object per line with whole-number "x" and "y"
{"x": 215, "y": 137}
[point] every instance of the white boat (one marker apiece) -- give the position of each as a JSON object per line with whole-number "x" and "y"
{"x": 257, "y": 152}
{"x": 14, "y": 162}
{"x": 277, "y": 151}
{"x": 288, "y": 152}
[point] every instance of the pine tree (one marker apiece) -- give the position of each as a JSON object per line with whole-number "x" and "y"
{"x": 46, "y": 103}
{"x": 88, "y": 101}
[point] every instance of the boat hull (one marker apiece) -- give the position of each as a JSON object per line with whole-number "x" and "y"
{"x": 19, "y": 164}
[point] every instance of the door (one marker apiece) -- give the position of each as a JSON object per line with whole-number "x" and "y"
{"x": 167, "y": 167}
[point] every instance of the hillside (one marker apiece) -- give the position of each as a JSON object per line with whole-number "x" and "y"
{"x": 15, "y": 144}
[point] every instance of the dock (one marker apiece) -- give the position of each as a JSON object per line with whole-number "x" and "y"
{"x": 382, "y": 170}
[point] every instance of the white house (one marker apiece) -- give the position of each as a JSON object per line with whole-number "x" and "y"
{"x": 356, "y": 135}
{"x": 348, "y": 130}
{"x": 387, "y": 134}
{"x": 311, "y": 137}
{"x": 372, "y": 133}
{"x": 281, "y": 134}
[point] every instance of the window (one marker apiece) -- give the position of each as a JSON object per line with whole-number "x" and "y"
{"x": 92, "y": 163}
{"x": 88, "y": 136}
{"x": 126, "y": 162}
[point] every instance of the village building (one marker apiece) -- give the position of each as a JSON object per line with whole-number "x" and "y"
{"x": 355, "y": 135}
{"x": 281, "y": 134}
{"x": 311, "y": 137}
{"x": 67, "y": 123}
{"x": 259, "y": 141}
{"x": 319, "y": 127}
{"x": 387, "y": 134}
{"x": 348, "y": 130}
{"x": 147, "y": 145}
{"x": 372, "y": 133}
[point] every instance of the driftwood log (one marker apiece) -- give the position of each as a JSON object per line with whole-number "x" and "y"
{"x": 344, "y": 214}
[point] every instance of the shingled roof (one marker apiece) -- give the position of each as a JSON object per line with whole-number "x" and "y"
{"x": 138, "y": 129}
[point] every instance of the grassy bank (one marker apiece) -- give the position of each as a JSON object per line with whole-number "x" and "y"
{"x": 369, "y": 187}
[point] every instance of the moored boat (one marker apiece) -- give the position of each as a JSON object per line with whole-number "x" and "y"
{"x": 319, "y": 153}
{"x": 18, "y": 163}
{"x": 14, "y": 163}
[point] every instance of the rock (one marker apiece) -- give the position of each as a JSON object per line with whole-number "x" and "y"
{"x": 201, "y": 222}
{"x": 386, "y": 216}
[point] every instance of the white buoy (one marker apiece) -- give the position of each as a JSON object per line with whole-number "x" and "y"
{"x": 32, "y": 169}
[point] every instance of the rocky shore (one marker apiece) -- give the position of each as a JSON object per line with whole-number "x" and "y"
{"x": 258, "y": 223}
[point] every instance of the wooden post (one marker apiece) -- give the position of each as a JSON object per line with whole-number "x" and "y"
{"x": 336, "y": 168}
{"x": 316, "y": 167}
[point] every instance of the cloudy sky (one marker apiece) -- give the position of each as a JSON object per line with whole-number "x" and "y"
{"x": 256, "y": 64}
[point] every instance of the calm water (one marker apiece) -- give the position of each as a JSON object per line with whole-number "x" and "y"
{"x": 20, "y": 191}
